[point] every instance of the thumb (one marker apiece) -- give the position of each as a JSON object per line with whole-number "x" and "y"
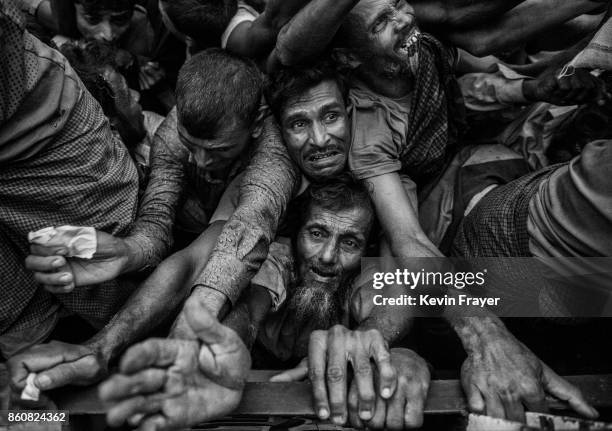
{"x": 567, "y": 392}
{"x": 295, "y": 374}
{"x": 204, "y": 325}
{"x": 65, "y": 374}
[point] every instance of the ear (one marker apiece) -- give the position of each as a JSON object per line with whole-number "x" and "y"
{"x": 345, "y": 58}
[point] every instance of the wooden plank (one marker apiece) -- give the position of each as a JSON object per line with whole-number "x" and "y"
{"x": 262, "y": 397}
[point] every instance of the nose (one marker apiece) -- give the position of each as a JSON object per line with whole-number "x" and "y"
{"x": 105, "y": 32}
{"x": 319, "y": 135}
{"x": 328, "y": 255}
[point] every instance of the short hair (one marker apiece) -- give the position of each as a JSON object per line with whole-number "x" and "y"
{"x": 202, "y": 20}
{"x": 89, "y": 61}
{"x": 215, "y": 86}
{"x": 342, "y": 193}
{"x": 107, "y": 5}
{"x": 294, "y": 81}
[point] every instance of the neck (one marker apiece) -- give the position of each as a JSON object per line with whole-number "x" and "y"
{"x": 395, "y": 87}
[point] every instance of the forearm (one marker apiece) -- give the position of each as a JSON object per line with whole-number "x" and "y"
{"x": 153, "y": 303}
{"x": 159, "y": 297}
{"x": 311, "y": 30}
{"x": 519, "y": 25}
{"x": 151, "y": 236}
{"x": 257, "y": 38}
{"x": 268, "y": 185}
{"x": 459, "y": 13}
{"x": 247, "y": 316}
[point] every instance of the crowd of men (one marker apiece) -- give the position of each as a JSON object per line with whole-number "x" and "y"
{"x": 239, "y": 159}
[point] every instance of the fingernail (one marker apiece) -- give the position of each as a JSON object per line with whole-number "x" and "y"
{"x": 323, "y": 413}
{"x": 365, "y": 415}
{"x": 57, "y": 262}
{"x": 60, "y": 251}
{"x": 338, "y": 420}
{"x": 43, "y": 381}
{"x": 386, "y": 393}
{"x": 66, "y": 277}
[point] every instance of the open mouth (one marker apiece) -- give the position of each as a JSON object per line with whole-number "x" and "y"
{"x": 323, "y": 273}
{"x": 408, "y": 45}
{"x": 322, "y": 156}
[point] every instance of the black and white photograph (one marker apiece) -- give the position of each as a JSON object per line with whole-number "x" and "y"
{"x": 303, "y": 215}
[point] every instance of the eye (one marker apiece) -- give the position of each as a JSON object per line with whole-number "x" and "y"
{"x": 350, "y": 243}
{"x": 316, "y": 233}
{"x": 379, "y": 24}
{"x": 92, "y": 19}
{"x": 298, "y": 124}
{"x": 330, "y": 117}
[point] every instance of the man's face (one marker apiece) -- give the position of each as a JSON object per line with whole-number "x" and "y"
{"x": 389, "y": 35}
{"x": 330, "y": 246}
{"x": 102, "y": 25}
{"x": 129, "y": 121}
{"x": 316, "y": 131}
{"x": 215, "y": 154}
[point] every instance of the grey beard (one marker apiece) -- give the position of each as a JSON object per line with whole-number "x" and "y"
{"x": 316, "y": 305}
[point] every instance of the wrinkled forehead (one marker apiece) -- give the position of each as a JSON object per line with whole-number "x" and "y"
{"x": 366, "y": 11}
{"x": 325, "y": 94}
{"x": 354, "y": 220}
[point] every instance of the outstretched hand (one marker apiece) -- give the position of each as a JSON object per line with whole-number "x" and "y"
{"x": 60, "y": 274}
{"x": 168, "y": 383}
{"x": 577, "y": 86}
{"x": 503, "y": 378}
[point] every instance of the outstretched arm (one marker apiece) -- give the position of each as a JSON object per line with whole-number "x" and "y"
{"x": 309, "y": 33}
{"x": 255, "y": 39}
{"x": 433, "y": 14}
{"x": 518, "y": 25}
{"x": 150, "y": 238}
{"x": 500, "y": 375}
{"x": 154, "y": 302}
{"x": 269, "y": 183}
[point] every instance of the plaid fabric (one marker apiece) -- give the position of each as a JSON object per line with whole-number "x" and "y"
{"x": 83, "y": 177}
{"x": 497, "y": 226}
{"x": 436, "y": 114}
{"x": 14, "y": 81}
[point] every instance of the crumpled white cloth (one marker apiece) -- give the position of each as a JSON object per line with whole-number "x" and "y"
{"x": 31, "y": 391}
{"x": 80, "y": 241}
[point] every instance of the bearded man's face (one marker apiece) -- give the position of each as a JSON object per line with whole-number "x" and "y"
{"x": 329, "y": 248}
{"x": 386, "y": 37}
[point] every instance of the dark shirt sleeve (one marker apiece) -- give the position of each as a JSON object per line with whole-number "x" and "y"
{"x": 269, "y": 183}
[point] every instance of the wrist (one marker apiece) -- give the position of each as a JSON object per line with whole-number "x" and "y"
{"x": 217, "y": 302}
{"x": 133, "y": 253}
{"x": 474, "y": 332}
{"x": 529, "y": 90}
{"x": 101, "y": 348}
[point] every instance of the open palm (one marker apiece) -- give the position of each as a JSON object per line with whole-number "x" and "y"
{"x": 178, "y": 383}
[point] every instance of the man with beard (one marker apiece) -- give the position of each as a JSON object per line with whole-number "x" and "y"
{"x": 322, "y": 299}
